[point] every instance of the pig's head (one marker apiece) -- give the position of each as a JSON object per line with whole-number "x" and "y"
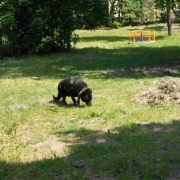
{"x": 86, "y": 96}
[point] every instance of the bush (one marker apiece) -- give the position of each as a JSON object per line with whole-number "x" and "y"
{"x": 116, "y": 24}
{"x": 32, "y": 26}
{"x": 47, "y": 45}
{"x": 176, "y": 20}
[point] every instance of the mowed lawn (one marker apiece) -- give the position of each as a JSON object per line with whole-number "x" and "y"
{"x": 115, "y": 138}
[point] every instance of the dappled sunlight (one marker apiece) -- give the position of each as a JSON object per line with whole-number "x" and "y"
{"x": 130, "y": 61}
{"x": 94, "y": 152}
{"x": 102, "y": 53}
{"x": 116, "y": 138}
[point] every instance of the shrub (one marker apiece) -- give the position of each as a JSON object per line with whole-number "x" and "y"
{"x": 31, "y": 26}
{"x": 116, "y": 24}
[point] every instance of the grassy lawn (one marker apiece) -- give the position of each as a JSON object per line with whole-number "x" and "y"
{"x": 115, "y": 138}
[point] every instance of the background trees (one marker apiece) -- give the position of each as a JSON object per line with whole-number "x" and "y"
{"x": 131, "y": 11}
{"x": 168, "y": 5}
{"x": 136, "y": 12}
{"x": 34, "y": 26}
{"x": 31, "y": 26}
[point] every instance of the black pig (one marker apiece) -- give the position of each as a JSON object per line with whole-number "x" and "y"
{"x": 74, "y": 87}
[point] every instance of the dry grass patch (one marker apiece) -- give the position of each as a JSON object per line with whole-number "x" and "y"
{"x": 18, "y": 106}
{"x": 167, "y": 92}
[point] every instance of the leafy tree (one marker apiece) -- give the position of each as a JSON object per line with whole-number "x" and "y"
{"x": 131, "y": 10}
{"x": 147, "y": 11}
{"x": 176, "y": 9}
{"x": 91, "y": 13}
{"x": 31, "y": 26}
{"x": 168, "y": 5}
{"x": 136, "y": 11}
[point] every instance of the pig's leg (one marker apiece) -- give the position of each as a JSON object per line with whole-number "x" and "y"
{"x": 74, "y": 100}
{"x": 64, "y": 100}
{"x": 78, "y": 101}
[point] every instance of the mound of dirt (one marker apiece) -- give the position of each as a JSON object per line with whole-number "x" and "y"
{"x": 167, "y": 92}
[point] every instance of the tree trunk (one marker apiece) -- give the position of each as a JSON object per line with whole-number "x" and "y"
{"x": 112, "y": 13}
{"x": 169, "y": 24}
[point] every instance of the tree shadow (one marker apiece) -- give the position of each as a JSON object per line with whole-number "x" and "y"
{"x": 132, "y": 61}
{"x": 137, "y": 151}
{"x": 113, "y": 38}
{"x": 156, "y": 28}
{"x": 104, "y": 38}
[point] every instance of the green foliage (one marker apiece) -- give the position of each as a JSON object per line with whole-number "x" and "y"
{"x": 116, "y": 24}
{"x": 47, "y": 44}
{"x": 93, "y": 14}
{"x": 163, "y": 4}
{"x": 168, "y": 5}
{"x": 137, "y": 12}
{"x": 176, "y": 20}
{"x": 131, "y": 11}
{"x": 31, "y": 26}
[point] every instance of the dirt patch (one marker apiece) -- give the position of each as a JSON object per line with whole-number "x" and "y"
{"x": 97, "y": 96}
{"x": 35, "y": 78}
{"x": 173, "y": 28}
{"x": 52, "y": 145}
{"x": 159, "y": 70}
{"x": 100, "y": 142}
{"x": 44, "y": 101}
{"x": 167, "y": 92}
{"x": 174, "y": 175}
{"x": 18, "y": 106}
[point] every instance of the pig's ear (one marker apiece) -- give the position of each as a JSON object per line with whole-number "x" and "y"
{"x": 90, "y": 90}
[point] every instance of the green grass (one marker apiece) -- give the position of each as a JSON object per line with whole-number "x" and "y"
{"x": 116, "y": 138}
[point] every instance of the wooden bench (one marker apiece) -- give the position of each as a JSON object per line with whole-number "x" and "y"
{"x": 147, "y": 35}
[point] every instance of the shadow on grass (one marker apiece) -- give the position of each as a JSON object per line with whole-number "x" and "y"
{"x": 156, "y": 28}
{"x": 137, "y": 151}
{"x": 104, "y": 38}
{"x": 133, "y": 61}
{"x": 69, "y": 105}
{"x": 112, "y": 38}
